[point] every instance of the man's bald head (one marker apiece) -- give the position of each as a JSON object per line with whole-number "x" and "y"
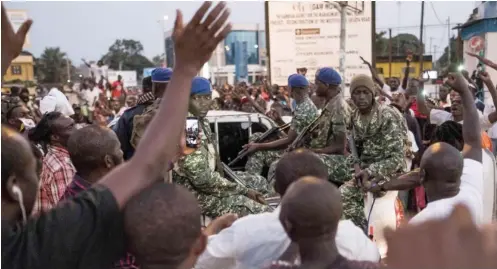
{"x": 94, "y": 147}
{"x": 295, "y": 165}
{"x": 311, "y": 209}
{"x": 441, "y": 167}
{"x": 162, "y": 225}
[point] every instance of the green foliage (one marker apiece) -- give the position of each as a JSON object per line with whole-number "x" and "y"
{"x": 401, "y": 43}
{"x": 126, "y": 54}
{"x": 51, "y": 66}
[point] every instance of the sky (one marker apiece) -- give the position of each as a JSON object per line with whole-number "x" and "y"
{"x": 85, "y": 29}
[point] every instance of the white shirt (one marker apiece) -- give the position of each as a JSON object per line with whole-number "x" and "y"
{"x": 414, "y": 149}
{"x": 438, "y": 116}
{"x": 254, "y": 241}
{"x": 492, "y": 131}
{"x": 489, "y": 186}
{"x": 55, "y": 100}
{"x": 470, "y": 194}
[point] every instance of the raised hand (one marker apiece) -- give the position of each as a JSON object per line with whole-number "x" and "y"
{"x": 364, "y": 61}
{"x": 457, "y": 82}
{"x": 485, "y": 77}
{"x": 195, "y": 42}
{"x": 12, "y": 42}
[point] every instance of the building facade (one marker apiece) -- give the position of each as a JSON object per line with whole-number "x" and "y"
{"x": 21, "y": 68}
{"x": 399, "y": 65}
{"x": 221, "y": 67}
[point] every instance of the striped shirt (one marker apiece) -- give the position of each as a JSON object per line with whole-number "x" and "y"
{"x": 78, "y": 185}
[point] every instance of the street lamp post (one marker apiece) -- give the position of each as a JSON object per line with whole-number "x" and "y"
{"x": 163, "y": 23}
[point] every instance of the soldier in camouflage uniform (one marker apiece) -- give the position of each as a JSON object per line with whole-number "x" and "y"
{"x": 330, "y": 134}
{"x": 197, "y": 171}
{"x": 266, "y": 154}
{"x": 379, "y": 135}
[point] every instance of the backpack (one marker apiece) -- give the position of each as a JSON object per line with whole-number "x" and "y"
{"x": 141, "y": 121}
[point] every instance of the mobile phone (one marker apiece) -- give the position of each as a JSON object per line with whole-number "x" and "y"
{"x": 192, "y": 132}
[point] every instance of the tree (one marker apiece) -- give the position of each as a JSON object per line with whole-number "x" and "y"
{"x": 125, "y": 54}
{"x": 51, "y": 66}
{"x": 443, "y": 61}
{"x": 158, "y": 60}
{"x": 400, "y": 44}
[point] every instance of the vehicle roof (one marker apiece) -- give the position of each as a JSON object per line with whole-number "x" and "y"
{"x": 215, "y": 113}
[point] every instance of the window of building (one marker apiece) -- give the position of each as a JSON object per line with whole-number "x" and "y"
{"x": 379, "y": 70}
{"x": 16, "y": 70}
{"x": 411, "y": 70}
{"x": 253, "y": 41}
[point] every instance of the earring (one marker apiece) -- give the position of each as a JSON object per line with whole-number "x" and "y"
{"x": 18, "y": 192}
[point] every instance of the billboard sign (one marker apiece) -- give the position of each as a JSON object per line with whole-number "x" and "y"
{"x": 307, "y": 34}
{"x": 17, "y": 18}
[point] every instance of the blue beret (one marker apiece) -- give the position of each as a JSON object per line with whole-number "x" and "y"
{"x": 162, "y": 75}
{"x": 297, "y": 80}
{"x": 329, "y": 76}
{"x": 201, "y": 85}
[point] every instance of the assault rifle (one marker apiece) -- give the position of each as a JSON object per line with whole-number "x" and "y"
{"x": 353, "y": 151}
{"x": 260, "y": 139}
{"x": 232, "y": 176}
{"x": 304, "y": 135}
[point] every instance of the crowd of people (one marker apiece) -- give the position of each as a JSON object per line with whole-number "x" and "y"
{"x": 78, "y": 194}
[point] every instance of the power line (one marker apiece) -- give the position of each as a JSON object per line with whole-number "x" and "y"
{"x": 417, "y": 26}
{"x": 436, "y": 15}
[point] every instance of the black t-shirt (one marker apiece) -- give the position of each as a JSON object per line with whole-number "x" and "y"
{"x": 84, "y": 232}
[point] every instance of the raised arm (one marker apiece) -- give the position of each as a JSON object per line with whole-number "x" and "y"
{"x": 12, "y": 42}
{"x": 492, "y": 117}
{"x": 375, "y": 76}
{"x": 193, "y": 47}
{"x": 471, "y": 129}
{"x": 406, "y": 74}
{"x": 483, "y": 60}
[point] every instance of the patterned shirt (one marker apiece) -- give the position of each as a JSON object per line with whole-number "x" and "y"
{"x": 380, "y": 140}
{"x": 78, "y": 185}
{"x": 56, "y": 174}
{"x": 305, "y": 113}
{"x": 146, "y": 97}
{"x": 333, "y": 120}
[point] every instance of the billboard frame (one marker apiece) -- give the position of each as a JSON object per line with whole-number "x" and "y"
{"x": 268, "y": 44}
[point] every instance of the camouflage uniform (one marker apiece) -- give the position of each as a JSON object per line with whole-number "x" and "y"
{"x": 305, "y": 113}
{"x": 380, "y": 141}
{"x": 333, "y": 120}
{"x": 216, "y": 195}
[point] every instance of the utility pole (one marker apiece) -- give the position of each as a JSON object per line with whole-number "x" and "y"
{"x": 435, "y": 61}
{"x": 390, "y": 53}
{"x": 431, "y": 45}
{"x": 448, "y": 33}
{"x": 343, "y": 38}
{"x": 68, "y": 70}
{"x": 421, "y": 48}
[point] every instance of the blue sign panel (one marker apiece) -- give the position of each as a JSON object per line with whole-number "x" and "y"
{"x": 148, "y": 71}
{"x": 241, "y": 61}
